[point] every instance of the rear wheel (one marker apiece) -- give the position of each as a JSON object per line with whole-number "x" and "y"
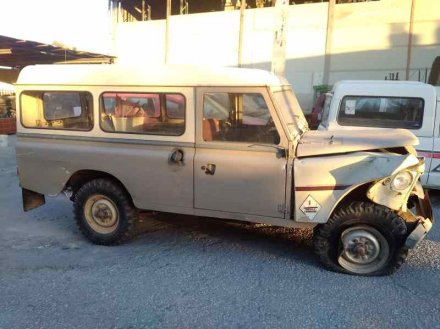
{"x": 362, "y": 239}
{"x": 104, "y": 212}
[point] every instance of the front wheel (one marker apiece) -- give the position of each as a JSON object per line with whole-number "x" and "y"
{"x": 104, "y": 212}
{"x": 362, "y": 239}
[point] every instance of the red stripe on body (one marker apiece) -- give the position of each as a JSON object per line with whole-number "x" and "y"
{"x": 322, "y": 188}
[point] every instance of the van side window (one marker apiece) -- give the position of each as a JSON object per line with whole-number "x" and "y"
{"x": 237, "y": 117}
{"x": 143, "y": 113}
{"x": 57, "y": 110}
{"x": 385, "y": 112}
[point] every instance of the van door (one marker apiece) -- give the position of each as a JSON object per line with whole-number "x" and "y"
{"x": 239, "y": 165}
{"x": 433, "y": 157}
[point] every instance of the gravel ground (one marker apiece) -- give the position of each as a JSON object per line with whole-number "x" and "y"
{"x": 184, "y": 272}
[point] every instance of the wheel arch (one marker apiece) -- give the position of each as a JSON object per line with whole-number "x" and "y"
{"x": 81, "y": 177}
{"x": 355, "y": 193}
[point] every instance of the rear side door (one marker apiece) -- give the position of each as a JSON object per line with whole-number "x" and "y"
{"x": 239, "y": 165}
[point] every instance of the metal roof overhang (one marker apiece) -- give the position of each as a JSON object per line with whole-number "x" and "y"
{"x": 19, "y": 53}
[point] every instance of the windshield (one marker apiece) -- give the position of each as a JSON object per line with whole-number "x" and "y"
{"x": 291, "y": 111}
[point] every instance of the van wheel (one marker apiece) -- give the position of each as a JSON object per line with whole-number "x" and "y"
{"x": 362, "y": 239}
{"x": 104, "y": 212}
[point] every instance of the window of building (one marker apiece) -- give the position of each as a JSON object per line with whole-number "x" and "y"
{"x": 236, "y": 117}
{"x": 385, "y": 112}
{"x": 57, "y": 110}
{"x": 143, "y": 113}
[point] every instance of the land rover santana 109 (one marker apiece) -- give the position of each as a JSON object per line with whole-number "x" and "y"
{"x": 226, "y": 143}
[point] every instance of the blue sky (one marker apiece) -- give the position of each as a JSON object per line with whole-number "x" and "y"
{"x": 83, "y": 24}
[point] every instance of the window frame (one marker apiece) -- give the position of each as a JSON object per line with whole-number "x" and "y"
{"x": 91, "y": 113}
{"x": 378, "y": 97}
{"x": 162, "y": 95}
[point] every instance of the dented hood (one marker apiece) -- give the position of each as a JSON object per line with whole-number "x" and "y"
{"x": 317, "y": 142}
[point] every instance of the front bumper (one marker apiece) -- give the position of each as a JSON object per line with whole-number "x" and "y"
{"x": 424, "y": 221}
{"x": 418, "y": 234}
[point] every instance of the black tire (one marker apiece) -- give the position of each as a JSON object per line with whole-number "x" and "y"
{"x": 119, "y": 206}
{"x": 328, "y": 244}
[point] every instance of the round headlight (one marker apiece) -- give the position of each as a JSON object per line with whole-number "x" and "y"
{"x": 401, "y": 181}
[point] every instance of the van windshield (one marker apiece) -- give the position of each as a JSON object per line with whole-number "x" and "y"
{"x": 291, "y": 111}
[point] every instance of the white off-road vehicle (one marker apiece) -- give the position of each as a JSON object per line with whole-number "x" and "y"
{"x": 217, "y": 142}
{"x": 375, "y": 104}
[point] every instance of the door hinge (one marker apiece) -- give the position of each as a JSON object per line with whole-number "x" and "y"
{"x": 282, "y": 208}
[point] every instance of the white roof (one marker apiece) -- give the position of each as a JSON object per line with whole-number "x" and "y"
{"x": 168, "y": 75}
{"x": 384, "y": 88}
{"x": 379, "y": 82}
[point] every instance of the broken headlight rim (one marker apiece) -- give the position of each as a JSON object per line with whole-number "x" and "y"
{"x": 402, "y": 180}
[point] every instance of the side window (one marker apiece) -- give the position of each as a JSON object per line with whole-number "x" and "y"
{"x": 385, "y": 112}
{"x": 236, "y": 117}
{"x": 57, "y": 110}
{"x": 175, "y": 106}
{"x": 143, "y": 113}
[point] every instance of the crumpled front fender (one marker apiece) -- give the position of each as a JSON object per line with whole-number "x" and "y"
{"x": 382, "y": 193}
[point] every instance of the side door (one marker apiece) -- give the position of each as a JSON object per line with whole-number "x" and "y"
{"x": 152, "y": 145}
{"x": 239, "y": 165}
{"x": 432, "y": 160}
{"x": 433, "y": 157}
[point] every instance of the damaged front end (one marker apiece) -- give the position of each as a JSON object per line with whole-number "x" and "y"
{"x": 403, "y": 192}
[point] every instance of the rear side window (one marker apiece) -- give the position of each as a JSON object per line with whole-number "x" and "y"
{"x": 143, "y": 113}
{"x": 57, "y": 110}
{"x": 384, "y": 112}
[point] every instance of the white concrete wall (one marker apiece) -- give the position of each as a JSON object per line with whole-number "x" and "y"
{"x": 369, "y": 41}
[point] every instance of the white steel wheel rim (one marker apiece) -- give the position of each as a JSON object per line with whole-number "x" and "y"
{"x": 364, "y": 250}
{"x": 101, "y": 214}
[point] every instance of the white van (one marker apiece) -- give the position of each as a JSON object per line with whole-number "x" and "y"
{"x": 389, "y": 104}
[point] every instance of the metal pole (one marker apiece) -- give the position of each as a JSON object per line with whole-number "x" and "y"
{"x": 410, "y": 39}
{"x": 120, "y": 12}
{"x": 328, "y": 42}
{"x": 167, "y": 29}
{"x": 184, "y": 7}
{"x": 240, "y": 34}
{"x": 280, "y": 37}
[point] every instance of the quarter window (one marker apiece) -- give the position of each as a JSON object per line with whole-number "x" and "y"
{"x": 143, "y": 113}
{"x": 57, "y": 110}
{"x": 386, "y": 112}
{"x": 237, "y": 117}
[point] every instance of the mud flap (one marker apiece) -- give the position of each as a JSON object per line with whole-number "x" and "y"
{"x": 424, "y": 224}
{"x": 424, "y": 206}
{"x": 31, "y": 199}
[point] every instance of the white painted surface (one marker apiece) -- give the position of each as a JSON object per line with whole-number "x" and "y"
{"x": 369, "y": 41}
{"x": 152, "y": 75}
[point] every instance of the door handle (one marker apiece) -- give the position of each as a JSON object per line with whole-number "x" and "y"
{"x": 176, "y": 156}
{"x": 209, "y": 169}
